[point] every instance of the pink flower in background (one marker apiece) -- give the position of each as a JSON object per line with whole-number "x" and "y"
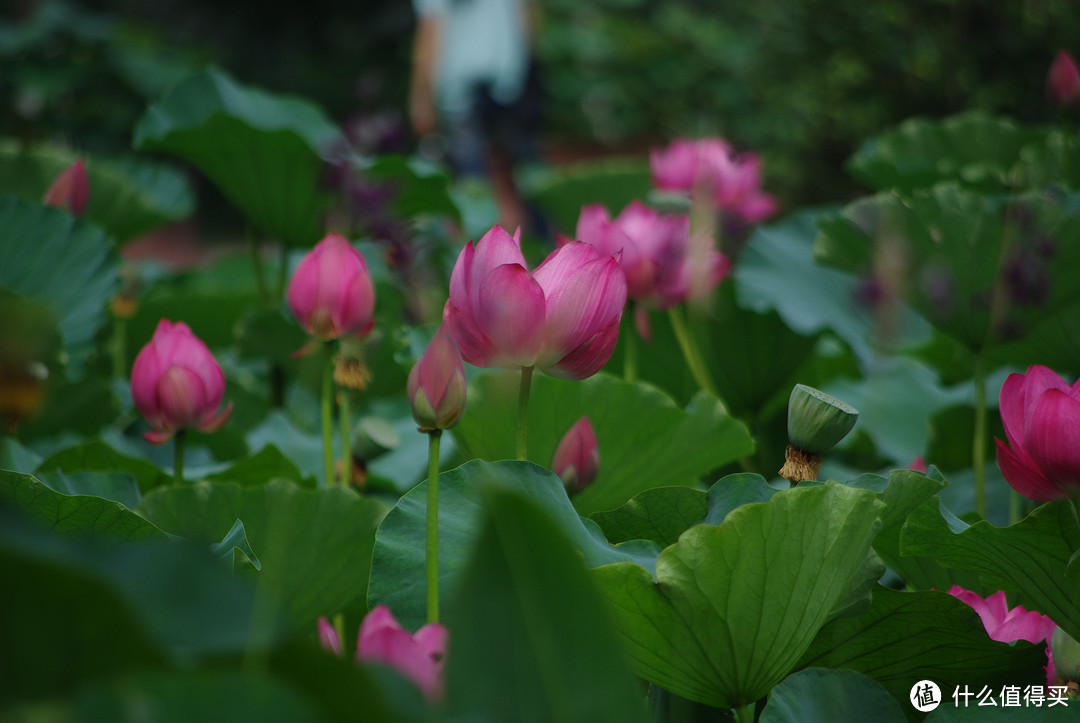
{"x": 562, "y": 317}
{"x": 177, "y": 384}
{"x": 1041, "y": 416}
{"x": 918, "y": 464}
{"x": 70, "y": 190}
{"x": 1007, "y": 626}
{"x": 331, "y": 293}
{"x": 577, "y": 458}
{"x": 419, "y": 657}
{"x": 1063, "y": 80}
{"x": 710, "y": 166}
{"x": 654, "y": 252}
{"x": 436, "y": 385}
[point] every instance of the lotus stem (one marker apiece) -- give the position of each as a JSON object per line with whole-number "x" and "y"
{"x": 327, "y": 422}
{"x": 978, "y": 443}
{"x": 178, "y": 458}
{"x": 691, "y": 353}
{"x": 630, "y": 354}
{"x": 257, "y": 266}
{"x": 432, "y": 557}
{"x": 1015, "y": 511}
{"x": 345, "y": 425}
{"x": 119, "y": 347}
{"x": 745, "y": 713}
{"x": 523, "y": 414}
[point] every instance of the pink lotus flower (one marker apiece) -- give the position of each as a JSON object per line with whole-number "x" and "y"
{"x": 577, "y": 458}
{"x": 419, "y": 657}
{"x": 563, "y": 317}
{"x": 1063, "y": 80}
{"x": 331, "y": 293}
{"x": 177, "y": 384}
{"x": 654, "y": 252}
{"x": 1008, "y": 626}
{"x": 70, "y": 190}
{"x": 711, "y": 167}
{"x": 1041, "y": 416}
{"x": 436, "y": 385}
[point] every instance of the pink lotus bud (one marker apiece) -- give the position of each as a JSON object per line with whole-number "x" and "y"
{"x": 70, "y": 190}
{"x": 710, "y": 167}
{"x": 1063, "y": 80}
{"x": 418, "y": 657}
{"x": 918, "y": 464}
{"x": 328, "y": 637}
{"x": 1041, "y": 416}
{"x": 331, "y": 293}
{"x": 563, "y": 317}
{"x": 436, "y": 385}
{"x": 177, "y": 384}
{"x": 577, "y": 458}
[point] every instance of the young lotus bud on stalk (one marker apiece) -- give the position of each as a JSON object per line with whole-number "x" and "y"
{"x": 436, "y": 385}
{"x": 577, "y": 458}
{"x": 816, "y": 423}
{"x": 70, "y": 190}
{"x": 1065, "y": 656}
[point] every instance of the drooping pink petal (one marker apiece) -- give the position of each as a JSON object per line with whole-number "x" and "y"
{"x": 1003, "y": 624}
{"x": 70, "y": 190}
{"x": 328, "y": 637}
{"x": 1052, "y": 439}
{"x": 511, "y": 313}
{"x": 213, "y": 421}
{"x": 577, "y": 458}
{"x": 1024, "y": 477}
{"x": 159, "y": 436}
{"x": 588, "y": 358}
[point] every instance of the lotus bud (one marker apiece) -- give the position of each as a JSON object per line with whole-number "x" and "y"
{"x": 577, "y": 458}
{"x": 1063, "y": 80}
{"x": 331, "y": 293}
{"x": 70, "y": 190}
{"x": 436, "y": 385}
{"x": 816, "y": 423}
{"x": 1065, "y": 652}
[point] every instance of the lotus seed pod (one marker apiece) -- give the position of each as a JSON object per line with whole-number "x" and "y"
{"x": 817, "y": 421}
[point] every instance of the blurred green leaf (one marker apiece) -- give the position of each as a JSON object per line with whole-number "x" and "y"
{"x": 417, "y": 192}
{"x": 17, "y": 458}
{"x": 660, "y": 514}
{"x": 95, "y": 456}
{"x": 236, "y": 549}
{"x": 82, "y": 514}
{"x": 314, "y": 545}
{"x": 733, "y": 491}
{"x": 115, "y": 486}
{"x": 664, "y": 446}
{"x": 734, "y": 606}
{"x": 263, "y": 151}
{"x": 266, "y": 464}
{"x": 398, "y": 561}
{"x": 559, "y": 194}
{"x": 816, "y": 694}
{"x": 541, "y": 646}
{"x": 906, "y": 637}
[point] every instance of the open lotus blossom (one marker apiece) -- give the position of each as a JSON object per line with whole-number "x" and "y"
{"x": 1041, "y": 416}
{"x": 654, "y": 251}
{"x": 562, "y": 317}
{"x": 1008, "y": 626}
{"x": 419, "y": 657}
{"x": 331, "y": 293}
{"x": 177, "y": 384}
{"x": 70, "y": 190}
{"x": 711, "y": 166}
{"x": 1063, "y": 80}
{"x": 436, "y": 385}
{"x": 577, "y": 458}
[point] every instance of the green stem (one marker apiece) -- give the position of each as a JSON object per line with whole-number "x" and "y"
{"x": 691, "y": 353}
{"x": 745, "y": 714}
{"x": 119, "y": 347}
{"x": 339, "y": 628}
{"x": 978, "y": 444}
{"x": 178, "y": 459}
{"x": 432, "y": 557}
{"x": 327, "y": 423}
{"x": 345, "y": 424}
{"x": 630, "y": 352}
{"x": 257, "y": 264}
{"x": 283, "y": 272}
{"x": 523, "y": 414}
{"x": 1015, "y": 510}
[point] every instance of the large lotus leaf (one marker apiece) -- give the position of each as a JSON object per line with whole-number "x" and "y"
{"x": 1031, "y": 556}
{"x": 776, "y": 271}
{"x": 906, "y": 637}
{"x": 733, "y": 607}
{"x": 82, "y": 514}
{"x": 398, "y": 562}
{"x": 315, "y": 545}
{"x": 983, "y": 270}
{"x": 660, "y": 515}
{"x": 128, "y": 196}
{"x": 95, "y": 456}
{"x": 265, "y": 152}
{"x": 644, "y": 439}
{"x": 530, "y": 639}
{"x": 972, "y": 148}
{"x": 60, "y": 262}
{"x": 815, "y": 695}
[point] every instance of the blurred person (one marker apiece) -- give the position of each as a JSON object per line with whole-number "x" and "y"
{"x": 474, "y": 78}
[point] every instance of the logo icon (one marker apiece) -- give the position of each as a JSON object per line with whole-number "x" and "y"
{"x": 925, "y": 696}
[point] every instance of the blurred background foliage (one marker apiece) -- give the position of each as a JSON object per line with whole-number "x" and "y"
{"x": 803, "y": 81}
